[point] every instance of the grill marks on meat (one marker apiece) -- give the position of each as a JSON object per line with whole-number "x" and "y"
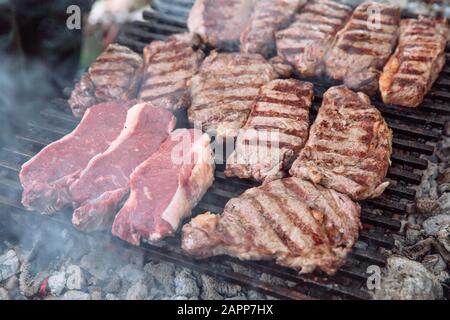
{"x": 363, "y": 46}
{"x": 349, "y": 146}
{"x": 416, "y": 63}
{"x": 275, "y": 132}
{"x": 220, "y": 22}
{"x": 46, "y": 177}
{"x": 309, "y": 37}
{"x": 114, "y": 75}
{"x": 292, "y": 221}
{"x": 224, "y": 89}
{"x": 105, "y": 180}
{"x": 268, "y": 17}
{"x": 166, "y": 187}
{"x": 169, "y": 66}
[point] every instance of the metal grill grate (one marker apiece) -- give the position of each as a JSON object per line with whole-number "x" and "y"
{"x": 415, "y": 133}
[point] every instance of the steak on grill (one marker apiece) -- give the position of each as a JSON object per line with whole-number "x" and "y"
{"x": 105, "y": 180}
{"x": 416, "y": 63}
{"x": 305, "y": 42}
{"x": 166, "y": 187}
{"x": 114, "y": 75}
{"x": 364, "y": 45}
{"x": 224, "y": 89}
{"x": 268, "y": 17}
{"x": 349, "y": 146}
{"x": 169, "y": 66}
{"x": 45, "y": 177}
{"x": 275, "y": 132}
{"x": 292, "y": 221}
{"x": 220, "y": 22}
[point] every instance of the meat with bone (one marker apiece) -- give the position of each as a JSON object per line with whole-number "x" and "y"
{"x": 220, "y": 22}
{"x": 364, "y": 45}
{"x": 169, "y": 66}
{"x": 114, "y": 75}
{"x": 292, "y": 221}
{"x": 305, "y": 42}
{"x": 105, "y": 181}
{"x": 45, "y": 177}
{"x": 268, "y": 17}
{"x": 416, "y": 63}
{"x": 224, "y": 89}
{"x": 275, "y": 132}
{"x": 349, "y": 146}
{"x": 166, "y": 187}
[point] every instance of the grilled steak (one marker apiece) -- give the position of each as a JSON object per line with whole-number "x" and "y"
{"x": 169, "y": 66}
{"x": 364, "y": 45}
{"x": 275, "y": 132}
{"x": 292, "y": 221}
{"x": 166, "y": 187}
{"x": 45, "y": 178}
{"x": 220, "y": 22}
{"x": 224, "y": 89}
{"x": 268, "y": 17}
{"x": 305, "y": 42}
{"x": 114, "y": 75}
{"x": 349, "y": 146}
{"x": 105, "y": 180}
{"x": 416, "y": 63}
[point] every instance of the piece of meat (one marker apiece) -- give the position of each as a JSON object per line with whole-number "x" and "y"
{"x": 105, "y": 180}
{"x": 268, "y": 17}
{"x": 224, "y": 89}
{"x": 416, "y": 63}
{"x": 275, "y": 132}
{"x": 220, "y": 22}
{"x": 305, "y": 42}
{"x": 46, "y": 177}
{"x": 292, "y": 221}
{"x": 169, "y": 67}
{"x": 349, "y": 146}
{"x": 166, "y": 187}
{"x": 364, "y": 45}
{"x": 114, "y": 75}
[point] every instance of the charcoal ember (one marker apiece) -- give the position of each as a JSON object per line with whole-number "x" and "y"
{"x": 434, "y": 263}
{"x": 444, "y": 187}
{"x": 412, "y": 234}
{"x": 75, "y": 278}
{"x": 214, "y": 289}
{"x": 427, "y": 205}
{"x": 138, "y": 291}
{"x": 76, "y": 295}
{"x": 434, "y": 224}
{"x": 163, "y": 274}
{"x": 446, "y": 130}
{"x": 96, "y": 293}
{"x": 272, "y": 280}
{"x": 443, "y": 150}
{"x": 9, "y": 265}
{"x": 101, "y": 266}
{"x": 110, "y": 296}
{"x": 419, "y": 249}
{"x": 186, "y": 284}
{"x": 254, "y": 295}
{"x": 131, "y": 273}
{"x": 113, "y": 285}
{"x": 443, "y": 236}
{"x": 444, "y": 202}
{"x": 4, "y": 295}
{"x": 57, "y": 283}
{"x": 405, "y": 279}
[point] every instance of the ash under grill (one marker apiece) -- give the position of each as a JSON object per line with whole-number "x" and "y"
{"x": 415, "y": 133}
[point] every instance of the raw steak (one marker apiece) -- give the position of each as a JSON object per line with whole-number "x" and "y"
{"x": 46, "y": 177}
{"x": 105, "y": 180}
{"x": 166, "y": 187}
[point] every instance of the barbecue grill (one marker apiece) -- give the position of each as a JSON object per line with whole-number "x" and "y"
{"x": 416, "y": 132}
